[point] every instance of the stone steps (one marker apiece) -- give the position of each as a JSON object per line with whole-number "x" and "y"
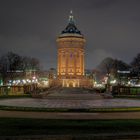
{"x": 72, "y": 93}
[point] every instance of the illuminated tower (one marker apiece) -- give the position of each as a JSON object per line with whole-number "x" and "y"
{"x": 70, "y": 68}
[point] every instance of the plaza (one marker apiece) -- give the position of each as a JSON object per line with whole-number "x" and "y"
{"x": 72, "y": 99}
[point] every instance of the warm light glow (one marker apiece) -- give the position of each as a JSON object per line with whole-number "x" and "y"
{"x": 113, "y": 81}
{"x": 70, "y": 56}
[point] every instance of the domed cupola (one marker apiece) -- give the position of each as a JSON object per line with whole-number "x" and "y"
{"x": 71, "y": 29}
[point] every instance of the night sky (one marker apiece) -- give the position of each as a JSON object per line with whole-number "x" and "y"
{"x": 30, "y": 28}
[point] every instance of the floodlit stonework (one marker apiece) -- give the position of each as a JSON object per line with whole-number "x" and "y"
{"x": 71, "y": 51}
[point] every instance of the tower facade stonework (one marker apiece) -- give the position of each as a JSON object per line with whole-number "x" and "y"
{"x": 71, "y": 50}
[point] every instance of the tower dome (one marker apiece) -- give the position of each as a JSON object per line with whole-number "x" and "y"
{"x": 71, "y": 29}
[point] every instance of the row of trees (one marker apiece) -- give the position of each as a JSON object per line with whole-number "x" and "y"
{"x": 111, "y": 66}
{"x": 135, "y": 64}
{"x": 13, "y": 62}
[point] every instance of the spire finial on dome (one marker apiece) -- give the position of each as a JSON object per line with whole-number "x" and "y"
{"x": 71, "y": 27}
{"x": 71, "y": 19}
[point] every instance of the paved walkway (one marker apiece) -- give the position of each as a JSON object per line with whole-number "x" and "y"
{"x": 71, "y": 99}
{"x": 70, "y": 103}
{"x": 79, "y": 116}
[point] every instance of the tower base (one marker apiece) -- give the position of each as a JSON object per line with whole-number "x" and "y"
{"x": 73, "y": 83}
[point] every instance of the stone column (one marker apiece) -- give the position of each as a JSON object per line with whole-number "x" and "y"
{"x": 83, "y": 64}
{"x": 80, "y": 64}
{"x": 75, "y": 57}
{"x": 66, "y": 63}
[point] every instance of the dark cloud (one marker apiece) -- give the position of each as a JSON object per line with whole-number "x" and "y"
{"x": 111, "y": 28}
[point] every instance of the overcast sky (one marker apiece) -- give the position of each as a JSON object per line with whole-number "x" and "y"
{"x": 30, "y": 27}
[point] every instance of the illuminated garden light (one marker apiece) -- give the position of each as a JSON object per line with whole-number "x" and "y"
{"x": 14, "y": 82}
{"x": 113, "y": 81}
{"x": 129, "y": 82}
{"x": 24, "y": 81}
{"x": 34, "y": 77}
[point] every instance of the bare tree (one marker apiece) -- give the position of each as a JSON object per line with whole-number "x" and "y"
{"x": 13, "y": 62}
{"x": 135, "y": 64}
{"x": 110, "y": 66}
